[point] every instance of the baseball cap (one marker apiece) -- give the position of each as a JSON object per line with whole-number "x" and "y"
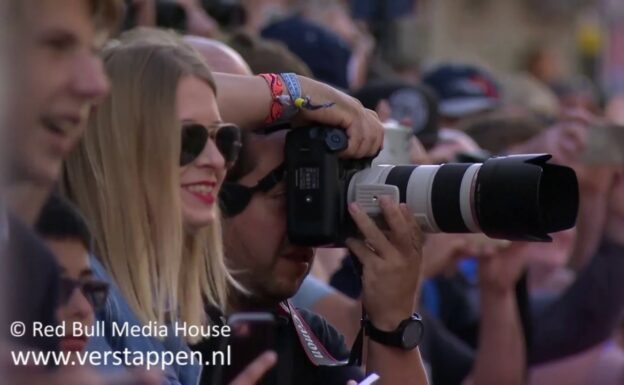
{"x": 322, "y": 50}
{"x": 463, "y": 89}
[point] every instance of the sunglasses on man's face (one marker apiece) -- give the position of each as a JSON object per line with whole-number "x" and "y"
{"x": 235, "y": 197}
{"x": 95, "y": 291}
{"x": 227, "y": 138}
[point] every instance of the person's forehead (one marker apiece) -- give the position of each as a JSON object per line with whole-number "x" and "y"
{"x": 71, "y": 254}
{"x": 61, "y": 13}
{"x": 196, "y": 99}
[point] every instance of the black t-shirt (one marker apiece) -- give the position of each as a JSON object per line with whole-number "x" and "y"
{"x": 294, "y": 367}
{"x": 30, "y": 285}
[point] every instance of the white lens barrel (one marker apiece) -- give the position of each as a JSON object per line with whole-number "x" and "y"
{"x": 418, "y": 197}
{"x": 417, "y": 186}
{"x": 466, "y": 198}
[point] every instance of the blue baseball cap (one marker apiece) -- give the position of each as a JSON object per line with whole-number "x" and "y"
{"x": 463, "y": 89}
{"x": 322, "y": 50}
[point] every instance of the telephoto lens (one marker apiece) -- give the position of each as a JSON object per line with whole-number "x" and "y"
{"x": 519, "y": 197}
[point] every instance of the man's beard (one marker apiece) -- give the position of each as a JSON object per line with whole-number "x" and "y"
{"x": 255, "y": 298}
{"x": 262, "y": 290}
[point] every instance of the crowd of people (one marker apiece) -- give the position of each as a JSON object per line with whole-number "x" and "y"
{"x": 143, "y": 183}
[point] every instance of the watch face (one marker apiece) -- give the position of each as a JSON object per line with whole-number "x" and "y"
{"x": 412, "y": 334}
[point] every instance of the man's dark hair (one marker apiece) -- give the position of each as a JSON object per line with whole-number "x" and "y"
{"x": 59, "y": 219}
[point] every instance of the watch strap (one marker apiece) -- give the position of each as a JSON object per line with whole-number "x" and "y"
{"x": 393, "y": 338}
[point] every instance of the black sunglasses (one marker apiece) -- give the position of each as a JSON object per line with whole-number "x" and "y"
{"x": 95, "y": 291}
{"x": 235, "y": 197}
{"x": 227, "y": 138}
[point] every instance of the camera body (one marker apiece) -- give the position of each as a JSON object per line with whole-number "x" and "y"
{"x": 519, "y": 197}
{"x": 316, "y": 183}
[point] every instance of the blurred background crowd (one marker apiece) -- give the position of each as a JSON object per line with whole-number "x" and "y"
{"x": 460, "y": 81}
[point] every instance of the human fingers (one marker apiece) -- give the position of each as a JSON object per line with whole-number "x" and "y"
{"x": 373, "y": 235}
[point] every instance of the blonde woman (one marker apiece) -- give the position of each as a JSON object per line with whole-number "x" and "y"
{"x": 146, "y": 176}
{"x": 148, "y": 172}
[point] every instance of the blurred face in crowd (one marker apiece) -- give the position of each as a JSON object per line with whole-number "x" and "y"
{"x": 201, "y": 179}
{"x": 547, "y": 66}
{"x": 62, "y": 76}
{"x": 76, "y": 279}
{"x": 256, "y": 243}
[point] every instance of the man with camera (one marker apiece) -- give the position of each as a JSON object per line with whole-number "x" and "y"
{"x": 271, "y": 269}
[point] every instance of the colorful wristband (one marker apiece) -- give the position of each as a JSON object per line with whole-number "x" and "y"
{"x": 277, "y": 88}
{"x": 286, "y": 105}
{"x": 296, "y": 99}
{"x": 292, "y": 84}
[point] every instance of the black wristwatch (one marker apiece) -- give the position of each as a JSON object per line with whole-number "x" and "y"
{"x": 406, "y": 336}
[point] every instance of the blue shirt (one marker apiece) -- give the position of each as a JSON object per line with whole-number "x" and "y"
{"x": 117, "y": 310}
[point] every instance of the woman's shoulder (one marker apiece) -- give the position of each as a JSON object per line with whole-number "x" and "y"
{"x": 117, "y": 309}
{"x": 117, "y": 315}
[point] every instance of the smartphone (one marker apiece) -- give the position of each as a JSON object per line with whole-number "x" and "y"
{"x": 251, "y": 335}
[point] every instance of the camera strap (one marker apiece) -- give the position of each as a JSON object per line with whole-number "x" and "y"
{"x": 314, "y": 349}
{"x": 357, "y": 350}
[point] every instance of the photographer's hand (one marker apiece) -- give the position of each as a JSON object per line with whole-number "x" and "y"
{"x": 390, "y": 280}
{"x": 391, "y": 264}
{"x": 363, "y": 127}
{"x": 246, "y": 101}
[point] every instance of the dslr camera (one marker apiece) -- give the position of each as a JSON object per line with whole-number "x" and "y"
{"x": 519, "y": 197}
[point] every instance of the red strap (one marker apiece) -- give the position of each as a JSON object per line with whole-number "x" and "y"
{"x": 314, "y": 349}
{"x": 277, "y": 88}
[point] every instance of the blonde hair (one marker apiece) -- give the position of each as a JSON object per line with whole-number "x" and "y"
{"x": 124, "y": 176}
